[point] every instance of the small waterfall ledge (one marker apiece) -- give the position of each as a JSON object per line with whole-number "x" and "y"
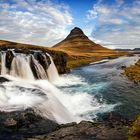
{"x": 31, "y": 66}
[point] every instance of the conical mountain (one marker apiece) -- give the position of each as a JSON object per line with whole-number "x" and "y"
{"x": 77, "y": 43}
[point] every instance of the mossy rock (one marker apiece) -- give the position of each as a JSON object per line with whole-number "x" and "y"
{"x": 134, "y": 131}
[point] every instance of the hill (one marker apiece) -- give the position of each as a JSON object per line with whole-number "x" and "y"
{"x": 78, "y": 44}
{"x": 60, "y": 58}
{"x": 81, "y": 50}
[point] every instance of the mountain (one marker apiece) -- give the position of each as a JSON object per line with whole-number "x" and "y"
{"x": 123, "y": 50}
{"x": 136, "y": 49}
{"x": 77, "y": 43}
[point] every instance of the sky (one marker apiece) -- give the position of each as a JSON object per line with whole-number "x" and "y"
{"x": 111, "y": 23}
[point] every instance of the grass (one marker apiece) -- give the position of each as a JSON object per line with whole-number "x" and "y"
{"x": 76, "y": 60}
{"x": 134, "y": 131}
{"x": 133, "y": 72}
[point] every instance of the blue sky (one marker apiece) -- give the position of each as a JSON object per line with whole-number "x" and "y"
{"x": 112, "y": 23}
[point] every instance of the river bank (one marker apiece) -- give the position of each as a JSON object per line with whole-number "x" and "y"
{"x": 133, "y": 72}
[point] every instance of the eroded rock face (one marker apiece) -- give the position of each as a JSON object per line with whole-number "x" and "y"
{"x": 60, "y": 60}
{"x": 87, "y": 131}
{"x": 42, "y": 57}
{"x": 112, "y": 127}
{"x": 9, "y": 58}
{"x": 19, "y": 124}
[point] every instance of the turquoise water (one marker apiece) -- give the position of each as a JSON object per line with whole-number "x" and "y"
{"x": 105, "y": 84}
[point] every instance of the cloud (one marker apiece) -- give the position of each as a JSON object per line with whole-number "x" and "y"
{"x": 29, "y": 21}
{"x": 117, "y": 23}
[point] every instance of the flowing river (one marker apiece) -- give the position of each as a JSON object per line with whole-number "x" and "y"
{"x": 101, "y": 87}
{"x": 83, "y": 94}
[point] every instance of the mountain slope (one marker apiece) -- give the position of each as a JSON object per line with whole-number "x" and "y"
{"x": 77, "y": 43}
{"x": 81, "y": 50}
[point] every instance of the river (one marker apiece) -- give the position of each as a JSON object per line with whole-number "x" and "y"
{"x": 101, "y": 87}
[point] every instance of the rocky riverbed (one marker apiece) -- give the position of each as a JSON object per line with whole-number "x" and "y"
{"x": 28, "y": 126}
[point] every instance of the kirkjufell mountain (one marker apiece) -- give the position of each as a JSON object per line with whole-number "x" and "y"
{"x": 78, "y": 43}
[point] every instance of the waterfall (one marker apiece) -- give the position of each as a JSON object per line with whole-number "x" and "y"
{"x": 30, "y": 86}
{"x": 3, "y": 64}
{"x": 52, "y": 71}
{"x": 20, "y": 67}
{"x": 41, "y": 73}
{"x": 28, "y": 67}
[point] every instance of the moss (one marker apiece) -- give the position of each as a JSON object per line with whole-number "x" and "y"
{"x": 133, "y": 72}
{"x": 134, "y": 131}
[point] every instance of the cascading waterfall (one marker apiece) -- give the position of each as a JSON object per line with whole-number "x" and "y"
{"x": 20, "y": 67}
{"x": 41, "y": 73}
{"x": 3, "y": 62}
{"x": 29, "y": 84}
{"x": 52, "y": 71}
{"x": 37, "y": 94}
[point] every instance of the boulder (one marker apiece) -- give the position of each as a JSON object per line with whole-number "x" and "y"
{"x": 18, "y": 124}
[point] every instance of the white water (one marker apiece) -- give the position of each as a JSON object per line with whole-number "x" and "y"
{"x": 52, "y": 71}
{"x": 23, "y": 92}
{"x": 3, "y": 62}
{"x": 39, "y": 95}
{"x": 41, "y": 73}
{"x": 20, "y": 67}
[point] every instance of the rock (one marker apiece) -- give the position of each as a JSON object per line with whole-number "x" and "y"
{"x": 60, "y": 60}
{"x": 123, "y": 67}
{"x": 42, "y": 57}
{"x": 10, "y": 122}
{"x": 9, "y": 58}
{"x": 18, "y": 124}
{"x": 87, "y": 131}
{"x": 3, "y": 79}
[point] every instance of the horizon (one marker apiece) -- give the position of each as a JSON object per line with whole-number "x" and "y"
{"x": 113, "y": 23}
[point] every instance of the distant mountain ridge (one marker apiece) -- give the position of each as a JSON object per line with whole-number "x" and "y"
{"x": 135, "y": 49}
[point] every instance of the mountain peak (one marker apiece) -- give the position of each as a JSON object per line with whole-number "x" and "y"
{"x": 76, "y": 32}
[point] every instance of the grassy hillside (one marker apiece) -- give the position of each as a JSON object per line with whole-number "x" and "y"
{"x": 81, "y": 50}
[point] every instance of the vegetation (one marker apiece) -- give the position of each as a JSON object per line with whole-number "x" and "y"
{"x": 133, "y": 72}
{"x": 134, "y": 131}
{"x": 76, "y": 61}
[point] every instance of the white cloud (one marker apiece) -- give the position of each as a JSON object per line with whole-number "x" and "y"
{"x": 118, "y": 23}
{"x": 42, "y": 23}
